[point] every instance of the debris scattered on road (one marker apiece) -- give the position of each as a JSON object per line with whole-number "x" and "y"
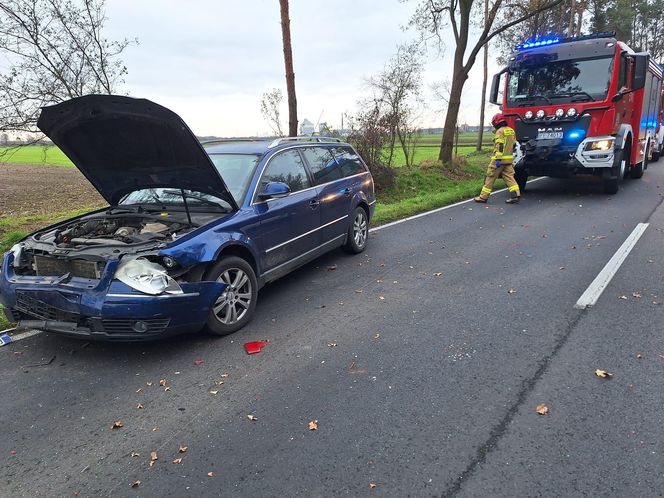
{"x": 377, "y": 336}
{"x": 638, "y": 356}
{"x": 138, "y": 390}
{"x": 5, "y": 339}
{"x": 511, "y": 291}
{"x": 148, "y": 384}
{"x": 166, "y": 389}
{"x": 183, "y": 449}
{"x": 313, "y": 425}
{"x": 139, "y": 406}
{"x": 359, "y": 291}
{"x": 155, "y": 429}
{"x": 636, "y": 295}
{"x": 223, "y": 376}
{"x": 117, "y": 424}
{"x": 382, "y": 298}
{"x": 372, "y": 485}
{"x": 332, "y": 268}
{"x": 210, "y": 474}
{"x": 162, "y": 382}
{"x": 214, "y": 393}
{"x": 43, "y": 364}
{"x": 134, "y": 454}
{"x": 542, "y": 409}
{"x": 198, "y": 362}
{"x": 331, "y": 344}
{"x": 177, "y": 461}
{"x": 437, "y": 274}
{"x": 253, "y": 418}
{"x": 254, "y": 347}
{"x": 603, "y": 374}
{"x": 622, "y": 297}
{"x": 135, "y": 484}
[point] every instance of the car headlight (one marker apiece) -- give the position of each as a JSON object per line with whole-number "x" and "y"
{"x": 146, "y": 276}
{"x": 604, "y": 144}
{"x": 17, "y": 251}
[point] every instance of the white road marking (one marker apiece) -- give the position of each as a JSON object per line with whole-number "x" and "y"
{"x": 603, "y": 278}
{"x": 437, "y": 210}
{"x": 24, "y": 335}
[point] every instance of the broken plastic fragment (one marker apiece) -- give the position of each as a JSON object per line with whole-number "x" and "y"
{"x": 254, "y": 347}
{"x": 5, "y": 339}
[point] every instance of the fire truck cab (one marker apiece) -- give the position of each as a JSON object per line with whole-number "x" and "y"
{"x": 579, "y": 106}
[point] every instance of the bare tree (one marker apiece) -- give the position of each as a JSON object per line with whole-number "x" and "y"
{"x": 56, "y": 51}
{"x": 270, "y": 104}
{"x": 485, "y": 78}
{"x": 290, "y": 74}
{"x": 432, "y": 16}
{"x": 397, "y": 91}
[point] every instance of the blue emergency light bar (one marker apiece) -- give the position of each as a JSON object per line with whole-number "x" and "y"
{"x": 544, "y": 42}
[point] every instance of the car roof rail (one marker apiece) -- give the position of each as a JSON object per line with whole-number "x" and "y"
{"x": 281, "y": 140}
{"x": 230, "y": 140}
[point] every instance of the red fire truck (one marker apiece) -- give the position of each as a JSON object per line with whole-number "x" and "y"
{"x": 658, "y": 142}
{"x": 583, "y": 105}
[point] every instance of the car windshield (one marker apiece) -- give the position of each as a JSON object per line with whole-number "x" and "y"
{"x": 560, "y": 81}
{"x": 237, "y": 171}
{"x": 171, "y": 196}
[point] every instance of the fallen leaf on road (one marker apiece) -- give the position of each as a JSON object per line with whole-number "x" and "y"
{"x": 636, "y": 295}
{"x": 135, "y": 484}
{"x": 331, "y": 344}
{"x": 153, "y": 456}
{"x": 139, "y": 406}
{"x": 214, "y": 392}
{"x": 177, "y": 461}
{"x": 622, "y": 297}
{"x": 603, "y": 374}
{"x": 135, "y": 454}
{"x": 210, "y": 474}
{"x": 313, "y": 425}
{"x": 332, "y": 268}
{"x": 254, "y": 347}
{"x": 511, "y": 291}
{"x": 542, "y": 409}
{"x": 253, "y": 418}
{"x": 183, "y": 449}
{"x": 437, "y": 274}
{"x": 359, "y": 291}
{"x": 162, "y": 382}
{"x": 372, "y": 485}
{"x": 117, "y": 424}
{"x": 198, "y": 362}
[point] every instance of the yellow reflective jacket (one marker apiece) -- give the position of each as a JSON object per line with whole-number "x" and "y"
{"x": 504, "y": 143}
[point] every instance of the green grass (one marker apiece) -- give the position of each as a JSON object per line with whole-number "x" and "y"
{"x": 44, "y": 219}
{"x": 4, "y": 323}
{"x": 34, "y": 154}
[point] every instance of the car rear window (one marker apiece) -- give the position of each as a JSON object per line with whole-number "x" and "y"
{"x": 323, "y": 166}
{"x": 349, "y": 161}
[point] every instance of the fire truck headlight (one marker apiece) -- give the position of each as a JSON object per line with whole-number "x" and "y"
{"x": 540, "y": 114}
{"x": 528, "y": 115}
{"x": 605, "y": 144}
{"x": 571, "y": 112}
{"x": 560, "y": 113}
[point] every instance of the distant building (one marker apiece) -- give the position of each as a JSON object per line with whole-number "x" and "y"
{"x": 306, "y": 128}
{"x": 4, "y": 139}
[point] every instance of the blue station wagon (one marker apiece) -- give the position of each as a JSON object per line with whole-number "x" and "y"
{"x": 191, "y": 233}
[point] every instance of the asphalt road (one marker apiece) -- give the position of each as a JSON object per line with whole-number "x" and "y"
{"x": 422, "y": 362}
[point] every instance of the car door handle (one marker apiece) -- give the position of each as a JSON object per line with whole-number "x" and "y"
{"x": 348, "y": 192}
{"x": 314, "y": 203}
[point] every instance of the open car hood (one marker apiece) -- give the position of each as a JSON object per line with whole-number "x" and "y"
{"x": 122, "y": 144}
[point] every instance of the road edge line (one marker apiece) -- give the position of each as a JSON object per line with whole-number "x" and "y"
{"x": 596, "y": 288}
{"x": 437, "y": 210}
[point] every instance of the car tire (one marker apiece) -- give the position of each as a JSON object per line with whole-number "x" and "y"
{"x": 521, "y": 177}
{"x": 234, "y": 308}
{"x": 358, "y": 232}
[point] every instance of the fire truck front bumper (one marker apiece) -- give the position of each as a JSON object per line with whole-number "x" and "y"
{"x": 593, "y": 155}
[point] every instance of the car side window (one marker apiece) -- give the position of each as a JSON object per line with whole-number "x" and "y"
{"x": 348, "y": 161}
{"x": 323, "y": 166}
{"x": 286, "y": 167}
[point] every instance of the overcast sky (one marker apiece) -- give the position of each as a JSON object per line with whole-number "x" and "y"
{"x": 210, "y": 61}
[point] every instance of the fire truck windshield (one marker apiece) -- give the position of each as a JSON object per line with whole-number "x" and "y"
{"x": 573, "y": 80}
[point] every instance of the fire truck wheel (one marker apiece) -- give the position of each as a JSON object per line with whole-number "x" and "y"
{"x": 637, "y": 171}
{"x": 611, "y": 185}
{"x": 521, "y": 177}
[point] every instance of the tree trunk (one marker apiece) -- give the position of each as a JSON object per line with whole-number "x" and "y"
{"x": 447, "y": 143}
{"x": 480, "y": 136}
{"x": 290, "y": 74}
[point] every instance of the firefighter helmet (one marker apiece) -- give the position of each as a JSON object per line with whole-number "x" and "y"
{"x": 497, "y": 120}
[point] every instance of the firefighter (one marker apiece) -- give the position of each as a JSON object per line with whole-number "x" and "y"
{"x": 501, "y": 162}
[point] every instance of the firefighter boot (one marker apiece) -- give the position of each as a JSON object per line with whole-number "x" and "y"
{"x": 515, "y": 196}
{"x": 484, "y": 195}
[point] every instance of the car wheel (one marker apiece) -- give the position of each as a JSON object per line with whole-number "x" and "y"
{"x": 521, "y": 177}
{"x": 234, "y": 308}
{"x": 358, "y": 232}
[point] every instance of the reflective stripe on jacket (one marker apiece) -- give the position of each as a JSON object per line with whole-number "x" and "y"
{"x": 504, "y": 143}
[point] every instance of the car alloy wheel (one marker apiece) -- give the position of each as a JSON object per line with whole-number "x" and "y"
{"x": 360, "y": 228}
{"x": 235, "y": 301}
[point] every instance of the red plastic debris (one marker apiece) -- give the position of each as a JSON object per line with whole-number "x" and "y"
{"x": 12, "y": 452}
{"x": 198, "y": 362}
{"x": 254, "y": 347}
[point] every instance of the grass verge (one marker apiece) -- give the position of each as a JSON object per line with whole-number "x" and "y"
{"x": 34, "y": 154}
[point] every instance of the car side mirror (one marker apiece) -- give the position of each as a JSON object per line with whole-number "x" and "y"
{"x": 275, "y": 190}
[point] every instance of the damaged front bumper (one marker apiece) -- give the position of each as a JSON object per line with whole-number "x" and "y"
{"x": 104, "y": 309}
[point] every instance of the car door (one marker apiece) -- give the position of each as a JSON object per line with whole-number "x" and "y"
{"x": 334, "y": 191}
{"x": 288, "y": 225}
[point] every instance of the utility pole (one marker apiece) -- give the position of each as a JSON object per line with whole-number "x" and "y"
{"x": 290, "y": 74}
